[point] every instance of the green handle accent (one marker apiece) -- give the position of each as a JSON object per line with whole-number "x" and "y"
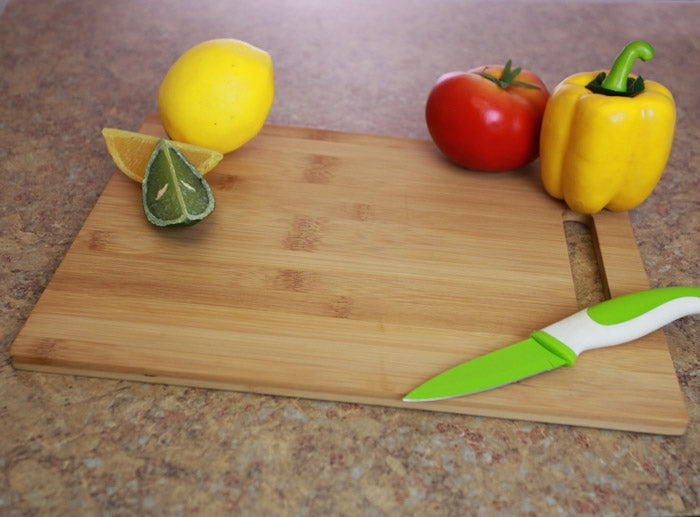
{"x": 616, "y": 80}
{"x": 629, "y": 306}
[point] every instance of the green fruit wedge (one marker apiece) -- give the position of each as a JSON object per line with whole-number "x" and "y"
{"x": 174, "y": 192}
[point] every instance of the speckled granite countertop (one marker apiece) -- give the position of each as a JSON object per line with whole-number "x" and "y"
{"x": 81, "y": 446}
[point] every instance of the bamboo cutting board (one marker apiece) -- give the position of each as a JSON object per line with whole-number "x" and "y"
{"x": 346, "y": 267}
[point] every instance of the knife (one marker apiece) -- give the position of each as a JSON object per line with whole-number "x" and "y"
{"x": 612, "y": 322}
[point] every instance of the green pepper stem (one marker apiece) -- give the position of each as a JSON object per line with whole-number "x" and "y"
{"x": 616, "y": 80}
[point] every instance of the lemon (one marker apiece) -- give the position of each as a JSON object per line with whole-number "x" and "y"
{"x": 217, "y": 94}
{"x": 131, "y": 152}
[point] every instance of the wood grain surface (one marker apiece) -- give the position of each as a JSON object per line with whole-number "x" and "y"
{"x": 347, "y": 267}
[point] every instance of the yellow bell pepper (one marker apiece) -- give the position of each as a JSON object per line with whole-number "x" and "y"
{"x": 606, "y": 138}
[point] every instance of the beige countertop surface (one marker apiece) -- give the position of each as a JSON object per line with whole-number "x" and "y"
{"x": 84, "y": 446}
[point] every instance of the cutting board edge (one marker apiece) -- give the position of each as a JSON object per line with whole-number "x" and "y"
{"x": 665, "y": 426}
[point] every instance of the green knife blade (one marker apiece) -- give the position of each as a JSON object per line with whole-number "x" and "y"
{"x": 609, "y": 323}
{"x": 492, "y": 370}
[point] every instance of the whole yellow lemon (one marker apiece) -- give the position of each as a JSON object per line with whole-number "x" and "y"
{"x": 217, "y": 94}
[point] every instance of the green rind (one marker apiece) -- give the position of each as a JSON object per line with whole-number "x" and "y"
{"x": 503, "y": 366}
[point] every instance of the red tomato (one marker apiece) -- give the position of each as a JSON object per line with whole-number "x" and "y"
{"x": 483, "y": 125}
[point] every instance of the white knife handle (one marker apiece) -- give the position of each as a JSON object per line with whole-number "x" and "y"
{"x": 625, "y": 318}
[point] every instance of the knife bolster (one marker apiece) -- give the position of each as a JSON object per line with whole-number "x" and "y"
{"x": 555, "y": 346}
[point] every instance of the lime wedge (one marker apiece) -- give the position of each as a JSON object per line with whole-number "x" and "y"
{"x": 174, "y": 192}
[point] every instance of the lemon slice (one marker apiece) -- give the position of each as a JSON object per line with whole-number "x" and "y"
{"x": 174, "y": 192}
{"x": 131, "y": 152}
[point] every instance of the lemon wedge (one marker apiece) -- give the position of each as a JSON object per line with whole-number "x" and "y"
{"x": 131, "y": 152}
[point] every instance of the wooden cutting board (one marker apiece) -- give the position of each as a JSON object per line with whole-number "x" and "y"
{"x": 346, "y": 267}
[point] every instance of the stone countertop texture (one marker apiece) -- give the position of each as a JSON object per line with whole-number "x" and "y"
{"x": 82, "y": 446}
